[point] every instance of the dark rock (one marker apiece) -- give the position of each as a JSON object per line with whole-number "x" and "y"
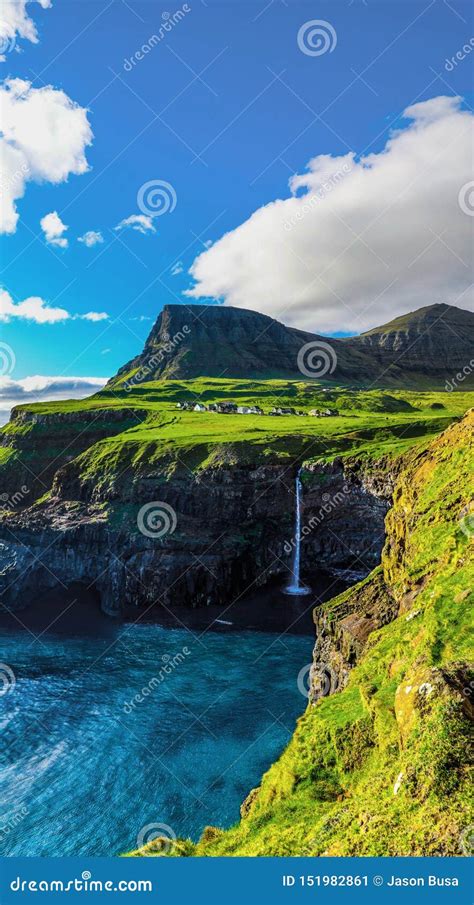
{"x": 198, "y": 340}
{"x": 234, "y": 530}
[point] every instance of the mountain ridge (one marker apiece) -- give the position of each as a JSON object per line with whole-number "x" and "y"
{"x": 430, "y": 344}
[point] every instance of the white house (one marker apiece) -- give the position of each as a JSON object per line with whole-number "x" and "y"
{"x": 249, "y": 410}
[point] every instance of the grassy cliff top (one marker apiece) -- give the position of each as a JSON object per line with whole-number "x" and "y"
{"x": 370, "y": 422}
{"x": 382, "y": 767}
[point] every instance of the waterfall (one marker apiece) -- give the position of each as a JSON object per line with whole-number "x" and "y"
{"x": 295, "y": 586}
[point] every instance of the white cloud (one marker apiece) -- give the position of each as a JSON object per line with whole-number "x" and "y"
{"x": 42, "y": 389}
{"x": 43, "y": 138}
{"x": 94, "y": 316}
{"x": 37, "y": 310}
{"x": 32, "y": 309}
{"x": 357, "y": 234}
{"x": 139, "y": 222}
{"x": 53, "y": 228}
{"x": 177, "y": 268}
{"x": 16, "y": 21}
{"x": 91, "y": 237}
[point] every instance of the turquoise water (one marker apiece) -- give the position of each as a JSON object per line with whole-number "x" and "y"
{"x": 84, "y": 767}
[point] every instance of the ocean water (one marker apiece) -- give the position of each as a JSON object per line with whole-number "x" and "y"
{"x": 85, "y": 766}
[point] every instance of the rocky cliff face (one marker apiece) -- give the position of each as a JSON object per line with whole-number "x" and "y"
{"x": 48, "y": 441}
{"x": 439, "y": 337}
{"x": 407, "y": 565}
{"x": 381, "y": 762}
{"x": 234, "y": 529}
{"x": 195, "y": 340}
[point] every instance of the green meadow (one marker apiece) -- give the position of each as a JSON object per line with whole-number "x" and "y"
{"x": 370, "y": 422}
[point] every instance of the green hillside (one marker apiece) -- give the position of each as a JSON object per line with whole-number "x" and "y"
{"x": 384, "y": 766}
{"x": 370, "y": 422}
{"x": 381, "y": 766}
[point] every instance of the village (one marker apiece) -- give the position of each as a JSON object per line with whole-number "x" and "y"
{"x": 228, "y": 407}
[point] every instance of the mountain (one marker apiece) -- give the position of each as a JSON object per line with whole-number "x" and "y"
{"x": 213, "y": 341}
{"x": 441, "y": 336}
{"x": 426, "y": 346}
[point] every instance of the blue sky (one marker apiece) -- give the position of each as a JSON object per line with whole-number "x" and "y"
{"x": 227, "y": 141}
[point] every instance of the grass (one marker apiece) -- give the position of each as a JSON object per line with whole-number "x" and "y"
{"x": 382, "y": 767}
{"x": 332, "y": 790}
{"x": 370, "y": 424}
